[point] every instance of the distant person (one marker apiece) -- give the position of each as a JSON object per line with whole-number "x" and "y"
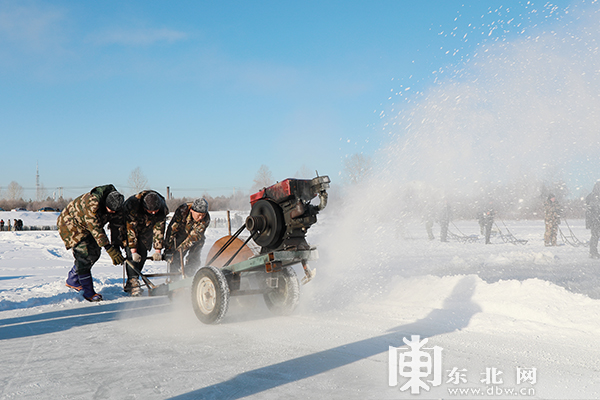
{"x": 145, "y": 217}
{"x": 15, "y": 225}
{"x": 592, "y": 218}
{"x": 19, "y": 224}
{"x": 1, "y": 225}
{"x": 429, "y": 220}
{"x": 552, "y": 220}
{"x": 445, "y": 216}
{"x": 81, "y": 227}
{"x": 488, "y": 220}
{"x": 185, "y": 236}
{"x": 481, "y": 220}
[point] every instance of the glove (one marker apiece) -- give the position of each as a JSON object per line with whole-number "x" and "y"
{"x": 135, "y": 257}
{"x": 115, "y": 254}
{"x": 157, "y": 256}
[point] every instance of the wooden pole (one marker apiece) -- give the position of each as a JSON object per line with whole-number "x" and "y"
{"x": 228, "y": 222}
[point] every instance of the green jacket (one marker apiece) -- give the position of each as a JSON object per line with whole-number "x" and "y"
{"x": 183, "y": 231}
{"x": 138, "y": 222}
{"x": 86, "y": 215}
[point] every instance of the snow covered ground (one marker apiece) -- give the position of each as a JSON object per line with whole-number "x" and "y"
{"x": 501, "y": 320}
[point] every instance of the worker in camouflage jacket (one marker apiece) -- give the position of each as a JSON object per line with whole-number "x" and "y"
{"x": 552, "y": 220}
{"x": 145, "y": 218}
{"x": 81, "y": 227}
{"x": 185, "y": 236}
{"x": 445, "y": 217}
{"x": 592, "y": 218}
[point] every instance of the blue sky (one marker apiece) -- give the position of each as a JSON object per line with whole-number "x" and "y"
{"x": 200, "y": 94}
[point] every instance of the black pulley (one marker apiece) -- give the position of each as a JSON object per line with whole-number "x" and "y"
{"x": 266, "y": 218}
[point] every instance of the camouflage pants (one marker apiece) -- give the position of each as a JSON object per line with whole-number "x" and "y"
{"x": 444, "y": 230}
{"x": 594, "y": 241}
{"x": 429, "y": 228}
{"x": 550, "y": 234}
{"x": 488, "y": 230}
{"x": 86, "y": 253}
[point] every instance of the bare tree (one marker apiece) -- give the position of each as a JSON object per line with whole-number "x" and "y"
{"x": 304, "y": 172}
{"x": 137, "y": 180}
{"x": 14, "y": 191}
{"x": 357, "y": 167}
{"x": 263, "y": 178}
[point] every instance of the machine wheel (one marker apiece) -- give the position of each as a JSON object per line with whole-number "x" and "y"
{"x": 284, "y": 299}
{"x": 210, "y": 295}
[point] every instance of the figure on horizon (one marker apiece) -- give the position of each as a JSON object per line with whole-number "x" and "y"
{"x": 552, "y": 212}
{"x": 592, "y": 218}
{"x": 487, "y": 219}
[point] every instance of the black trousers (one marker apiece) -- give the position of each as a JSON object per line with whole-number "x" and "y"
{"x": 144, "y": 244}
{"x": 191, "y": 259}
{"x": 86, "y": 253}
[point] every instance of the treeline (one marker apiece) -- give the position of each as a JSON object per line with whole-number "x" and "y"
{"x": 238, "y": 201}
{"x": 31, "y": 205}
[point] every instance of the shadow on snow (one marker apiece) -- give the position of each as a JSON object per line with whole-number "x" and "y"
{"x": 6, "y": 278}
{"x": 57, "y": 321}
{"x": 112, "y": 289}
{"x": 457, "y": 311}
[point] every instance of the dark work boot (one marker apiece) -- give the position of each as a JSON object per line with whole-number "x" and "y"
{"x": 87, "y": 285}
{"x": 132, "y": 286}
{"x": 73, "y": 280}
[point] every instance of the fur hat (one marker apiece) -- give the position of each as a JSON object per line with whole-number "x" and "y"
{"x": 200, "y": 205}
{"x": 114, "y": 200}
{"x": 151, "y": 202}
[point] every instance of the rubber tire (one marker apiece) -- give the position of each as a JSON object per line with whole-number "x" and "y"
{"x": 284, "y": 299}
{"x": 210, "y": 295}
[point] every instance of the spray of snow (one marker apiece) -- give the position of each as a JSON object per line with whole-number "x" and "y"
{"x": 528, "y": 107}
{"x": 518, "y": 112}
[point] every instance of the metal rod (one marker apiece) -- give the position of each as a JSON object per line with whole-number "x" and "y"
{"x": 181, "y": 262}
{"x": 238, "y": 250}
{"x": 144, "y": 278}
{"x": 160, "y": 274}
{"x": 222, "y": 249}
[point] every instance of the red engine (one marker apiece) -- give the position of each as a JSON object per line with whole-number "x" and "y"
{"x": 281, "y": 214}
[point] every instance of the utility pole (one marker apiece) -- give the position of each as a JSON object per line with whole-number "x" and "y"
{"x": 37, "y": 181}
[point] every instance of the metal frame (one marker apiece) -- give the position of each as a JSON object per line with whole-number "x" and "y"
{"x": 268, "y": 263}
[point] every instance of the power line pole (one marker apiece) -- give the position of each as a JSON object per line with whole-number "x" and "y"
{"x": 37, "y": 181}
